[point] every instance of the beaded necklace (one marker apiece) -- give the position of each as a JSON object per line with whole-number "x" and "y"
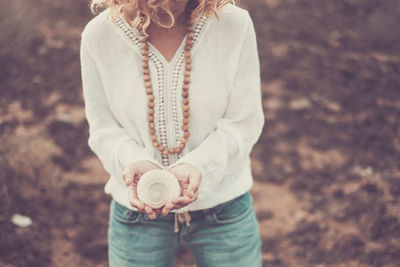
{"x": 185, "y": 91}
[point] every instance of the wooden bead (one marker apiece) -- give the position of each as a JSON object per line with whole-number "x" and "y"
{"x": 185, "y": 108}
{"x": 185, "y": 94}
{"x": 150, "y": 118}
{"x": 186, "y": 74}
{"x": 171, "y": 150}
{"x": 185, "y": 101}
{"x": 151, "y": 98}
{"x": 150, "y": 104}
{"x": 178, "y": 150}
{"x": 189, "y": 41}
{"x": 154, "y": 138}
{"x": 151, "y": 111}
{"x": 152, "y": 125}
{"x": 185, "y": 127}
{"x": 152, "y": 131}
{"x": 186, "y": 80}
{"x": 149, "y": 91}
{"x": 186, "y": 114}
{"x": 183, "y": 140}
{"x": 188, "y": 67}
{"x": 165, "y": 151}
{"x": 190, "y": 35}
{"x": 187, "y": 48}
{"x": 186, "y": 134}
{"x": 146, "y": 72}
{"x": 185, "y": 121}
{"x": 160, "y": 147}
{"x": 185, "y": 87}
{"x": 155, "y": 144}
{"x": 148, "y": 85}
{"x": 187, "y": 54}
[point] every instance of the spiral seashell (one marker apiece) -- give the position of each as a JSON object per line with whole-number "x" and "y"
{"x": 156, "y": 187}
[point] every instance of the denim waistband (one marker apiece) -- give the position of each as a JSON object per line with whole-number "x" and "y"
{"x": 204, "y": 212}
{"x": 197, "y": 214}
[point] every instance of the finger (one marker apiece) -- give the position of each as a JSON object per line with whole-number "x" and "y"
{"x": 194, "y": 196}
{"x": 136, "y": 177}
{"x": 127, "y": 178}
{"x": 190, "y": 193}
{"x": 183, "y": 183}
{"x": 167, "y": 208}
{"x": 148, "y": 210}
{"x": 184, "y": 200}
{"x": 137, "y": 204}
{"x": 153, "y": 216}
{"x": 178, "y": 206}
{"x": 194, "y": 184}
{"x": 134, "y": 200}
{"x": 133, "y": 193}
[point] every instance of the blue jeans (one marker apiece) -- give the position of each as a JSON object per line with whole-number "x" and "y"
{"x": 226, "y": 235}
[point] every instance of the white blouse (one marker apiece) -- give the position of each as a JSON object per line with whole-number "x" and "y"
{"x": 226, "y": 114}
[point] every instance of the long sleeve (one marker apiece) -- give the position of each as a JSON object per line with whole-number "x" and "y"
{"x": 228, "y": 146}
{"x": 112, "y": 144}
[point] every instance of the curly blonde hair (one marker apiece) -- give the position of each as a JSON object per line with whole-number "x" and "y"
{"x": 139, "y": 13}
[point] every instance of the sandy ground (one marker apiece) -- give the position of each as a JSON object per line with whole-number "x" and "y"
{"x": 326, "y": 168}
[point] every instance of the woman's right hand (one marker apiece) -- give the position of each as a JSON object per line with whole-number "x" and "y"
{"x": 131, "y": 176}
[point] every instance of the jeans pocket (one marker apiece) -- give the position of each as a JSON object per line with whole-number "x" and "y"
{"x": 234, "y": 210}
{"x": 123, "y": 214}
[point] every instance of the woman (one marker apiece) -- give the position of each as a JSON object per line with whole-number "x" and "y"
{"x": 142, "y": 61}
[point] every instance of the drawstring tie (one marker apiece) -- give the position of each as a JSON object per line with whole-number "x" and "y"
{"x": 181, "y": 217}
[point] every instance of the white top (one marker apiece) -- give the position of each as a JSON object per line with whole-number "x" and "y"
{"x": 226, "y": 114}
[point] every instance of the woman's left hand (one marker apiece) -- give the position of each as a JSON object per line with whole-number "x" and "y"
{"x": 189, "y": 179}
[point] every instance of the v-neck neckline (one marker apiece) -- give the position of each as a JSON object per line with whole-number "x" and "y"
{"x": 199, "y": 26}
{"x": 178, "y": 52}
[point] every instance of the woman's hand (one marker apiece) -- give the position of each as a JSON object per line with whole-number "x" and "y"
{"x": 131, "y": 176}
{"x": 189, "y": 179}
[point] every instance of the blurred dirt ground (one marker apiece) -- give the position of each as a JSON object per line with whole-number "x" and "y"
{"x": 326, "y": 166}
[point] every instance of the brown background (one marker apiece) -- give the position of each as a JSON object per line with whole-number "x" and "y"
{"x": 326, "y": 168}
